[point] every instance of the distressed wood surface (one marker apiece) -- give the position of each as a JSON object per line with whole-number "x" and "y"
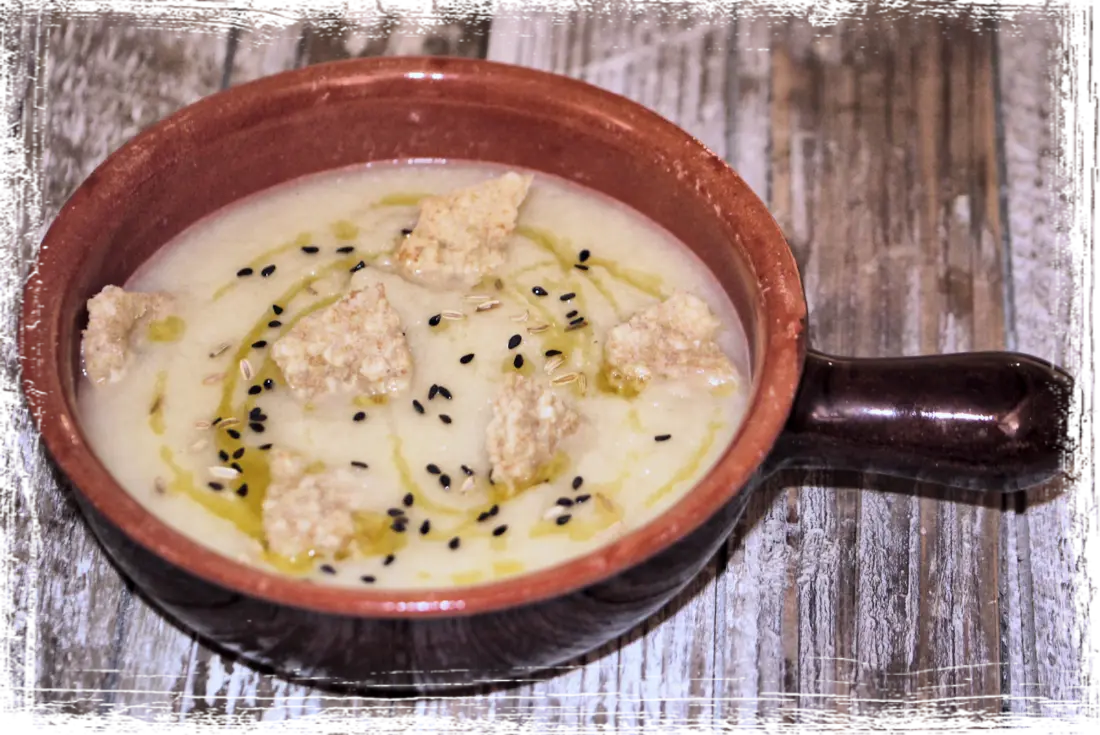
{"x": 1052, "y": 143}
{"x": 909, "y": 160}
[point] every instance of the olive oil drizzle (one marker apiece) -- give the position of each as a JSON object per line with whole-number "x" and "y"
{"x": 156, "y": 407}
{"x": 169, "y": 329}
{"x": 688, "y": 470}
{"x": 264, "y": 259}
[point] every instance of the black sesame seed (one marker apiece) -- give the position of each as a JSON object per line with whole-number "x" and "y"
{"x": 233, "y": 433}
{"x": 243, "y": 490}
{"x": 408, "y": 500}
{"x": 565, "y": 502}
{"x": 223, "y": 455}
{"x": 518, "y": 362}
{"x": 432, "y": 391}
{"x": 244, "y": 272}
{"x": 269, "y": 384}
{"x": 567, "y": 296}
{"x": 580, "y": 267}
{"x": 577, "y": 482}
{"x": 237, "y": 467}
{"x": 265, "y": 447}
{"x": 328, "y": 569}
{"x": 453, "y": 543}
{"x": 367, "y": 579}
{"x": 575, "y": 322}
{"x": 571, "y": 314}
{"x": 494, "y": 510}
{"x": 274, "y": 324}
{"x": 259, "y": 344}
{"x": 466, "y": 359}
{"x": 445, "y": 481}
{"x": 662, "y": 437}
{"x": 583, "y": 255}
{"x": 267, "y": 271}
{"x": 345, "y": 249}
{"x": 388, "y": 560}
{"x": 256, "y": 426}
{"x": 563, "y": 519}
{"x": 425, "y": 527}
{"x": 239, "y": 453}
{"x": 399, "y": 526}
{"x": 395, "y": 513}
{"x": 215, "y": 486}
{"x": 552, "y": 353}
{"x": 357, "y": 267}
{"x": 445, "y": 393}
{"x": 433, "y": 469}
{"x": 580, "y": 325}
{"x": 359, "y": 416}
{"x": 539, "y": 291}
{"x": 418, "y": 406}
{"x": 513, "y": 341}
{"x": 360, "y": 465}
{"x": 277, "y": 309}
{"x": 499, "y": 530}
{"x": 583, "y": 498}
{"x": 216, "y": 421}
{"x": 310, "y": 249}
{"x": 406, "y": 231}
{"x": 484, "y": 516}
{"x": 254, "y": 390}
{"x": 444, "y": 418}
{"x": 255, "y": 414}
{"x": 468, "y": 472}
{"x": 433, "y": 321}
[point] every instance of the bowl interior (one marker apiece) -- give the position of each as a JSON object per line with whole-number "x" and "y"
{"x": 248, "y": 139}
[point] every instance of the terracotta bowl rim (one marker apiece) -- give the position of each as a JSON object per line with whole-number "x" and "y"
{"x": 780, "y": 297}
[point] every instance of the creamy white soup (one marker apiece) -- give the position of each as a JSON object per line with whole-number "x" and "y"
{"x": 414, "y": 375}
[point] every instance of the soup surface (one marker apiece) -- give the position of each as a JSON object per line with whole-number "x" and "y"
{"x": 475, "y": 418}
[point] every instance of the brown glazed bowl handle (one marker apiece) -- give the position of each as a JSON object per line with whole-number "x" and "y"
{"x": 993, "y": 421}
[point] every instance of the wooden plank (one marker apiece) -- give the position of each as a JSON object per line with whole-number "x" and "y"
{"x": 107, "y": 79}
{"x": 868, "y": 198}
{"x": 678, "y": 65}
{"x": 1047, "y": 589}
{"x": 20, "y": 45}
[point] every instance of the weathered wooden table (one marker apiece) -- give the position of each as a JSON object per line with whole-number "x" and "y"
{"x": 911, "y": 162}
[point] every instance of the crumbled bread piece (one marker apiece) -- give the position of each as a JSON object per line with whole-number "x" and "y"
{"x": 355, "y": 345}
{"x": 307, "y": 512}
{"x": 672, "y": 340}
{"x": 459, "y": 237}
{"x": 116, "y": 322}
{"x": 529, "y": 421}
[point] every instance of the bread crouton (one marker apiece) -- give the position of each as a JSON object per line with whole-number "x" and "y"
{"x": 116, "y": 322}
{"x": 529, "y": 422}
{"x": 355, "y": 345}
{"x": 459, "y": 237}
{"x": 307, "y": 512}
{"x": 673, "y": 340}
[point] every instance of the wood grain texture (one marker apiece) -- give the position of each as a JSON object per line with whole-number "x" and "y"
{"x": 92, "y": 76}
{"x": 1053, "y": 149}
{"x": 884, "y": 177}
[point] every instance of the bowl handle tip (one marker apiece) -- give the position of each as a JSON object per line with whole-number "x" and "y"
{"x": 989, "y": 421}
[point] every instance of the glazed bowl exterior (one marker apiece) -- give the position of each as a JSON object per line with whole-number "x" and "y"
{"x": 250, "y": 138}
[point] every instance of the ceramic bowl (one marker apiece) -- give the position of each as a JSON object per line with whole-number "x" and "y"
{"x": 990, "y": 421}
